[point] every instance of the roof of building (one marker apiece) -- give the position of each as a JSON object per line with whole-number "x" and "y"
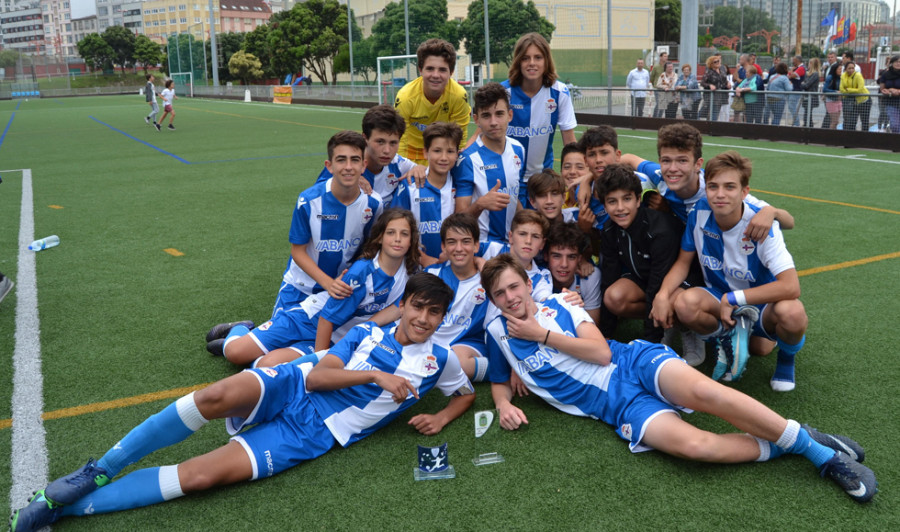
{"x": 257, "y": 6}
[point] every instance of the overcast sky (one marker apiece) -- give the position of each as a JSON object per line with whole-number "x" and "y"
{"x": 83, "y": 8}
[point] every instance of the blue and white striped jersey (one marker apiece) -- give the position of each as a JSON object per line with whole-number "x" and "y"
{"x": 730, "y": 260}
{"x": 535, "y": 120}
{"x": 541, "y": 282}
{"x": 466, "y": 317}
{"x": 572, "y": 385}
{"x": 384, "y": 182}
{"x": 682, "y": 207}
{"x": 430, "y": 206}
{"x": 332, "y": 231}
{"x": 477, "y": 171}
{"x": 353, "y": 413}
{"x": 373, "y": 290}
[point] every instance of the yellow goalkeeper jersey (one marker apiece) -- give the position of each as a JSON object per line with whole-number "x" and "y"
{"x": 419, "y": 113}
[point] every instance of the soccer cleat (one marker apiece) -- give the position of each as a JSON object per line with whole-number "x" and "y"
{"x": 837, "y": 442}
{"x": 171, "y": 127}
{"x": 216, "y": 347}
{"x": 725, "y": 352}
{"x": 147, "y": 119}
{"x": 39, "y": 513}
{"x": 694, "y": 348}
{"x": 158, "y": 127}
{"x": 221, "y": 330}
{"x": 68, "y": 489}
{"x": 857, "y": 480}
{"x": 745, "y": 317}
{"x": 6, "y": 285}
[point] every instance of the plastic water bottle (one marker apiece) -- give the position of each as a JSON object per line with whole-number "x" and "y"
{"x": 44, "y": 243}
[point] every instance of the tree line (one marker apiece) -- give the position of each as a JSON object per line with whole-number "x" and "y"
{"x": 313, "y": 37}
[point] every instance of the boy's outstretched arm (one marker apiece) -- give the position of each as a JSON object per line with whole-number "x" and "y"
{"x": 329, "y": 374}
{"x": 431, "y": 424}
{"x": 511, "y": 417}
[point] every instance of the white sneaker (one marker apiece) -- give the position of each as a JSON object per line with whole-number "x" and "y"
{"x": 693, "y": 348}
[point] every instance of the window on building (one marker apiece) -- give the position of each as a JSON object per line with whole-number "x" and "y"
{"x": 102, "y": 11}
{"x": 184, "y": 20}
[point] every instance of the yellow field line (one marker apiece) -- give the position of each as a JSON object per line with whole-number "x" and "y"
{"x": 262, "y": 119}
{"x": 826, "y": 201}
{"x": 110, "y": 405}
{"x": 848, "y": 264}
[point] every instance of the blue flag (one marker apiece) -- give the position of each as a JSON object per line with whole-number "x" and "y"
{"x": 829, "y": 20}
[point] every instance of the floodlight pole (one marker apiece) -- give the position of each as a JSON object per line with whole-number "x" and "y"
{"x": 406, "y": 27}
{"x": 609, "y": 57}
{"x": 350, "y": 39}
{"x": 487, "y": 45}
{"x": 212, "y": 45}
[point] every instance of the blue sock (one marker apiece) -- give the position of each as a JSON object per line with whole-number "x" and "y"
{"x": 170, "y": 426}
{"x": 784, "y": 367}
{"x": 768, "y": 450}
{"x": 795, "y": 440}
{"x": 236, "y": 332}
{"x": 139, "y": 488}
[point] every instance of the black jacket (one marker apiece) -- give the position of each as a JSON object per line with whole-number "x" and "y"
{"x": 645, "y": 251}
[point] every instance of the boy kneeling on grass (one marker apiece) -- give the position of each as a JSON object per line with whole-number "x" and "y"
{"x": 299, "y": 412}
{"x": 639, "y": 388}
{"x": 747, "y": 281}
{"x": 638, "y": 246}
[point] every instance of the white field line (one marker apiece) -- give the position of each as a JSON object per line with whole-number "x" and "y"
{"x": 855, "y": 157}
{"x": 28, "y": 460}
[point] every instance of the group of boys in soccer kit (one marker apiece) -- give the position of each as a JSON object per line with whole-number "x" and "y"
{"x": 509, "y": 294}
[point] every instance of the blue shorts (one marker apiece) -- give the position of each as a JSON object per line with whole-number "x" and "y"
{"x": 289, "y": 296}
{"x": 290, "y": 327}
{"x": 634, "y": 387}
{"x": 758, "y": 329}
{"x": 287, "y": 430}
{"x": 479, "y": 346}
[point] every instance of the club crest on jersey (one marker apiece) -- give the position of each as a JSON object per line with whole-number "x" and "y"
{"x": 271, "y": 372}
{"x": 517, "y": 161}
{"x": 367, "y": 215}
{"x": 548, "y": 312}
{"x": 747, "y": 246}
{"x": 551, "y": 105}
{"x": 265, "y": 326}
{"x": 479, "y": 296}
{"x": 626, "y": 431}
{"x": 430, "y": 365}
{"x": 392, "y": 179}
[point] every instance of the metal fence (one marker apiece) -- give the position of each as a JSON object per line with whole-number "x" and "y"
{"x": 870, "y": 112}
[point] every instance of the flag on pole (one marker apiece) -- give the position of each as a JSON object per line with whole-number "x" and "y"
{"x": 839, "y": 32}
{"x": 852, "y": 32}
{"x": 831, "y": 22}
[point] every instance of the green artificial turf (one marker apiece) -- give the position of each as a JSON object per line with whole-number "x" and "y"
{"x": 122, "y": 317}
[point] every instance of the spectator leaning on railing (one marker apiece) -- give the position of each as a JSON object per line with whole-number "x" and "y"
{"x": 777, "y": 86}
{"x": 859, "y": 105}
{"x": 690, "y": 101}
{"x": 889, "y": 87}
{"x": 810, "y": 84}
{"x": 832, "y": 90}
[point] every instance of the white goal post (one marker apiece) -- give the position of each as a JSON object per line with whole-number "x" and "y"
{"x": 184, "y": 83}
